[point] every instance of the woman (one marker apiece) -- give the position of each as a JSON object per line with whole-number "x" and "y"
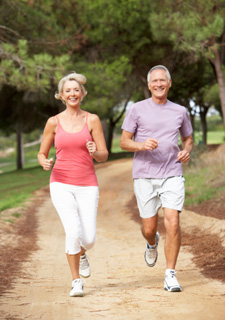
{"x": 78, "y": 138}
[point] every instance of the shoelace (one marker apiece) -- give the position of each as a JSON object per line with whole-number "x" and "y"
{"x": 84, "y": 263}
{"x": 78, "y": 281}
{"x": 152, "y": 253}
{"x": 172, "y": 277}
{"x": 171, "y": 274}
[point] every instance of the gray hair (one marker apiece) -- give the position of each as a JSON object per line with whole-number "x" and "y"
{"x": 158, "y": 67}
{"x": 79, "y": 78}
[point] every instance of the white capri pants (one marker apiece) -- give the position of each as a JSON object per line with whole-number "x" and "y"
{"x": 77, "y": 209}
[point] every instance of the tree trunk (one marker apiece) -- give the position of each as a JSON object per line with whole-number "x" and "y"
{"x": 110, "y": 135}
{"x": 20, "y": 152}
{"x": 146, "y": 92}
{"x": 203, "y": 113}
{"x": 112, "y": 125}
{"x": 219, "y": 73}
{"x": 191, "y": 116}
{"x": 105, "y": 128}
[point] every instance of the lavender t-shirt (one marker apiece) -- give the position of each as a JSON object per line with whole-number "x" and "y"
{"x": 147, "y": 119}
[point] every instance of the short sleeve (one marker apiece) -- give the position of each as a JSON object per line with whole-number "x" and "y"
{"x": 186, "y": 127}
{"x": 130, "y": 121}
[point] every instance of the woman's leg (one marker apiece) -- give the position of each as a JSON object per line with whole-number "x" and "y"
{"x": 66, "y": 205}
{"x": 74, "y": 261}
{"x": 87, "y": 200}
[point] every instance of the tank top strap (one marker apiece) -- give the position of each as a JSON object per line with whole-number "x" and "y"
{"x": 57, "y": 119}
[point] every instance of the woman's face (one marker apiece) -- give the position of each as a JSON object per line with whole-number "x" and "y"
{"x": 72, "y": 93}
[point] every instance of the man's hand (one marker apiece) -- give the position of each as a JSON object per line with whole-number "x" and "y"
{"x": 183, "y": 156}
{"x": 150, "y": 144}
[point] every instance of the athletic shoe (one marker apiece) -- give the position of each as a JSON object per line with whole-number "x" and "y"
{"x": 170, "y": 282}
{"x": 77, "y": 288}
{"x": 84, "y": 269}
{"x": 151, "y": 253}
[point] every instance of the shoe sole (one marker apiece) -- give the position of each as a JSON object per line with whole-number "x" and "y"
{"x": 172, "y": 289}
{"x": 84, "y": 276}
{"x": 77, "y": 294}
{"x": 152, "y": 264}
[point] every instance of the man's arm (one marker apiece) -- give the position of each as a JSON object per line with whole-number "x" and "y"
{"x": 187, "y": 146}
{"x": 126, "y": 143}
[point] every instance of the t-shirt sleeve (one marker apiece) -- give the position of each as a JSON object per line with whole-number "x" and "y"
{"x": 186, "y": 128}
{"x": 130, "y": 121}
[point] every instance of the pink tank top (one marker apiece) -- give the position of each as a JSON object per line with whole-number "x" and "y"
{"x": 73, "y": 164}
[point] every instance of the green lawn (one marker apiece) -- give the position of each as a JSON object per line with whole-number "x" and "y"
{"x": 205, "y": 176}
{"x": 18, "y": 186}
{"x": 216, "y": 137}
{"x": 30, "y": 159}
{"x": 213, "y": 137}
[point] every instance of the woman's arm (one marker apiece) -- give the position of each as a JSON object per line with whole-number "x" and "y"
{"x": 47, "y": 141}
{"x": 97, "y": 147}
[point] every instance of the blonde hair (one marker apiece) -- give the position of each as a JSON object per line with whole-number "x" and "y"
{"x": 79, "y": 78}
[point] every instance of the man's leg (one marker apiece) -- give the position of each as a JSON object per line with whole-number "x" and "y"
{"x": 172, "y": 247}
{"x": 149, "y": 228}
{"x": 173, "y": 237}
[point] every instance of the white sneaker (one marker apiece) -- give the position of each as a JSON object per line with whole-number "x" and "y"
{"x": 84, "y": 268}
{"x": 151, "y": 253}
{"x": 170, "y": 282}
{"x": 77, "y": 288}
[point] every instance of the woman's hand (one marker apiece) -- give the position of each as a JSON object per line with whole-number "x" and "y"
{"x": 47, "y": 164}
{"x": 91, "y": 146}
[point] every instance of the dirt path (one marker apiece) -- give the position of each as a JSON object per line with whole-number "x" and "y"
{"x": 121, "y": 285}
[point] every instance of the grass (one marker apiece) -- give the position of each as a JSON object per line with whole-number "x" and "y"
{"x": 30, "y": 159}
{"x": 216, "y": 137}
{"x": 205, "y": 177}
{"x": 213, "y": 137}
{"x": 17, "y": 186}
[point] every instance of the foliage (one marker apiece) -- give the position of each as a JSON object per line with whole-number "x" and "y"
{"x": 48, "y": 25}
{"x": 105, "y": 82}
{"x": 211, "y": 95}
{"x": 196, "y": 27}
{"x": 29, "y": 73}
{"x": 121, "y": 28}
{"x": 191, "y": 25}
{"x": 114, "y": 43}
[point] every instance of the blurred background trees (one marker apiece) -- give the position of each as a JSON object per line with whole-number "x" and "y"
{"x": 114, "y": 44}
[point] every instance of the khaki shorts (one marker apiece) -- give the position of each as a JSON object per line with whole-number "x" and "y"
{"x": 151, "y": 194}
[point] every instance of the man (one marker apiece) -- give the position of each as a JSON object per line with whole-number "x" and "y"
{"x": 154, "y": 124}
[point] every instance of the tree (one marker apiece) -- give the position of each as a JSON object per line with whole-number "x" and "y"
{"x": 108, "y": 92}
{"x": 189, "y": 85}
{"x": 118, "y": 31}
{"x": 196, "y": 27}
{"x": 22, "y": 78}
{"x": 34, "y": 53}
{"x": 51, "y": 26}
{"x": 211, "y": 96}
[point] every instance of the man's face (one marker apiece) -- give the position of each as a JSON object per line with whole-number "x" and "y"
{"x": 159, "y": 84}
